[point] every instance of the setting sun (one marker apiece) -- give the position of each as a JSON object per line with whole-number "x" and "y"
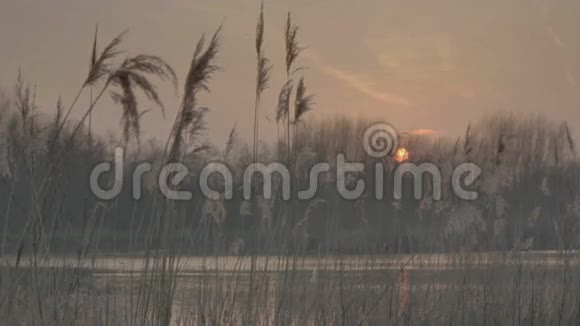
{"x": 401, "y": 155}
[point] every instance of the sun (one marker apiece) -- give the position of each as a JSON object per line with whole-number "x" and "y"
{"x": 401, "y": 155}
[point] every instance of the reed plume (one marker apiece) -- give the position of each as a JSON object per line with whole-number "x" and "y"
{"x": 283, "y": 106}
{"x": 467, "y": 148}
{"x": 293, "y": 48}
{"x": 303, "y": 102}
{"x": 57, "y": 120}
{"x": 100, "y": 67}
{"x": 263, "y": 75}
{"x": 190, "y": 119}
{"x": 24, "y": 100}
{"x": 260, "y": 30}
{"x": 232, "y": 139}
{"x": 132, "y": 75}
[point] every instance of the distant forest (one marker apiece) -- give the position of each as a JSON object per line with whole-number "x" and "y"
{"x": 528, "y": 190}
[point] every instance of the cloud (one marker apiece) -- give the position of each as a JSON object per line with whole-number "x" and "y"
{"x": 423, "y": 132}
{"x": 357, "y": 82}
{"x": 362, "y": 85}
{"x": 413, "y": 58}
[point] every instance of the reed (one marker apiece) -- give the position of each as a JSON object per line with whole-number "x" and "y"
{"x": 69, "y": 259}
{"x": 263, "y": 75}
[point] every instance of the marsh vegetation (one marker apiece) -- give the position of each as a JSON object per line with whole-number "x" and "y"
{"x": 508, "y": 257}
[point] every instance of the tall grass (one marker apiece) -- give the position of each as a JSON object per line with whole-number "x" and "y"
{"x": 263, "y": 72}
{"x": 69, "y": 259}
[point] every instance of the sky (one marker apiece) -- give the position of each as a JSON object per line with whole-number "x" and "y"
{"x": 433, "y": 65}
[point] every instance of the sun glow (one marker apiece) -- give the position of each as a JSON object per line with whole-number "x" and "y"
{"x": 401, "y": 155}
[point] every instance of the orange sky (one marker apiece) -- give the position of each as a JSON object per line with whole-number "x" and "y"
{"x": 418, "y": 64}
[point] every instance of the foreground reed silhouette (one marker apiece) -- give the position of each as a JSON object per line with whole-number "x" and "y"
{"x": 68, "y": 259}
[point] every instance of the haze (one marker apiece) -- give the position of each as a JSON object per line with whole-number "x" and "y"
{"x": 420, "y": 65}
